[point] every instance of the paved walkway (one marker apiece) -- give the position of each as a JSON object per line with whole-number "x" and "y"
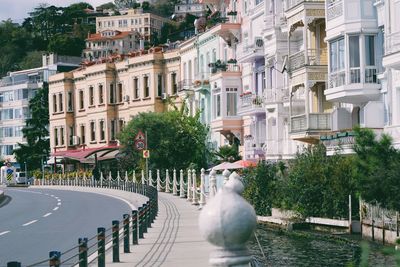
{"x": 172, "y": 241}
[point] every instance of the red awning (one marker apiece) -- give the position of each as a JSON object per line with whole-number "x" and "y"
{"x": 83, "y": 154}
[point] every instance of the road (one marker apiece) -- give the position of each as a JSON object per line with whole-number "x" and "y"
{"x": 37, "y": 221}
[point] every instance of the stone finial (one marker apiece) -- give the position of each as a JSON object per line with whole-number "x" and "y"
{"x": 202, "y": 200}
{"x": 235, "y": 183}
{"x": 174, "y": 184}
{"x": 158, "y": 181}
{"x": 195, "y": 198}
{"x": 213, "y": 183}
{"x": 167, "y": 189}
{"x": 228, "y": 221}
{"x": 226, "y": 174}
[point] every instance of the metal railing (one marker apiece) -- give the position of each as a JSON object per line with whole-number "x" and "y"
{"x": 337, "y": 79}
{"x": 276, "y": 95}
{"x": 313, "y": 57}
{"x": 186, "y": 84}
{"x": 317, "y": 122}
{"x": 292, "y": 3}
{"x": 250, "y": 101}
{"x": 392, "y": 43}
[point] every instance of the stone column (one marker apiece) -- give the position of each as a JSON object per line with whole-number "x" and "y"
{"x": 212, "y": 184}
{"x": 174, "y": 184}
{"x": 167, "y": 189}
{"x": 189, "y": 186}
{"x": 195, "y": 199}
{"x": 181, "y": 185}
{"x": 202, "y": 200}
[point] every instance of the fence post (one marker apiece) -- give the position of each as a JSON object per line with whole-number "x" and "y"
{"x": 148, "y": 216}
{"x": 167, "y": 189}
{"x": 101, "y": 247}
{"x": 115, "y": 241}
{"x": 212, "y": 184}
{"x": 144, "y": 220}
{"x": 55, "y": 257}
{"x": 134, "y": 227}
{"x": 158, "y": 181}
{"x": 350, "y": 219}
{"x": 383, "y": 227}
{"x": 195, "y": 199}
{"x": 143, "y": 179}
{"x": 150, "y": 178}
{"x": 101, "y": 179}
{"x": 126, "y": 233}
{"x": 189, "y": 186}
{"x": 13, "y": 264}
{"x": 174, "y": 184}
{"x": 83, "y": 260}
{"x": 202, "y": 200}
{"x": 118, "y": 179}
{"x": 397, "y": 223}
{"x": 140, "y": 221}
{"x": 181, "y": 185}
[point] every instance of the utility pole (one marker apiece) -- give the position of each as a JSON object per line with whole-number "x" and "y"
{"x": 147, "y": 160}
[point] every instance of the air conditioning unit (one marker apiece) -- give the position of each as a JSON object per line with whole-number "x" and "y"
{"x": 164, "y": 96}
{"x": 258, "y": 42}
{"x": 75, "y": 140}
{"x": 126, "y": 98}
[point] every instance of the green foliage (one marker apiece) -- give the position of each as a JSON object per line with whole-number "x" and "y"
{"x": 318, "y": 185}
{"x": 109, "y": 5}
{"x": 66, "y": 45}
{"x": 33, "y": 59}
{"x": 175, "y": 140}
{"x": 35, "y": 131}
{"x": 261, "y": 187}
{"x": 378, "y": 168}
{"x": 227, "y": 154}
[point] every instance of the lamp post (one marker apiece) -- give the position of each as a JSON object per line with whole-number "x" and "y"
{"x": 26, "y": 172}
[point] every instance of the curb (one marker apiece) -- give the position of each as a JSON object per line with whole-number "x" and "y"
{"x": 2, "y": 196}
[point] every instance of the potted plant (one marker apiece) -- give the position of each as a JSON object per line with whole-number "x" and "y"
{"x": 232, "y": 61}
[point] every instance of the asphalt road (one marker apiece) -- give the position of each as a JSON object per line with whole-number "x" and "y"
{"x": 37, "y": 221}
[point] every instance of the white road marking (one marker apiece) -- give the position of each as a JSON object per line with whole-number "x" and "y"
{"x": 47, "y": 214}
{"x": 28, "y": 223}
{"x": 59, "y": 203}
{"x": 52, "y": 195}
{"x": 56, "y": 208}
{"x": 3, "y": 233}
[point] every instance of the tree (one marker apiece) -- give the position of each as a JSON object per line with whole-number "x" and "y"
{"x": 33, "y": 59}
{"x": 227, "y": 154}
{"x": 63, "y": 44}
{"x": 260, "y": 185}
{"x": 175, "y": 140}
{"x": 35, "y": 131}
{"x": 378, "y": 168}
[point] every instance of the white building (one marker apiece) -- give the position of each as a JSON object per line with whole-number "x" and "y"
{"x": 16, "y": 89}
{"x": 192, "y": 7}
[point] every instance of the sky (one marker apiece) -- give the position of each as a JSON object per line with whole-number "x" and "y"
{"x": 17, "y": 10}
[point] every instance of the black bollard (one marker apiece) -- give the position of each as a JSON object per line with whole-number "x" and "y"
{"x": 140, "y": 222}
{"x": 144, "y": 220}
{"x": 148, "y": 215}
{"x": 115, "y": 243}
{"x": 54, "y": 258}
{"x": 126, "y": 233}
{"x": 134, "y": 227}
{"x": 83, "y": 254}
{"x": 101, "y": 247}
{"x": 13, "y": 264}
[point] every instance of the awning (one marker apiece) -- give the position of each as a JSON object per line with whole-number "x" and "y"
{"x": 87, "y": 155}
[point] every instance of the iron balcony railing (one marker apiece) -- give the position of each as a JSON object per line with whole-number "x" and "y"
{"x": 313, "y": 57}
{"x": 392, "y": 43}
{"x": 355, "y": 75}
{"x": 250, "y": 101}
{"x": 317, "y": 122}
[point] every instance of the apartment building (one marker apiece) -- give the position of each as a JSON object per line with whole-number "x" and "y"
{"x": 89, "y": 106}
{"x": 146, "y": 24}
{"x": 192, "y": 7}
{"x": 108, "y": 42}
{"x": 355, "y": 45}
{"x": 16, "y": 89}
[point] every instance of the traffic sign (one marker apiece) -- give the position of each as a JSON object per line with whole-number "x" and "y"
{"x": 140, "y": 136}
{"x": 140, "y": 144}
{"x": 146, "y": 154}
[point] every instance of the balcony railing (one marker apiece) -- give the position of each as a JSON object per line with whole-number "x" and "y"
{"x": 314, "y": 57}
{"x": 356, "y": 75}
{"x": 292, "y": 3}
{"x": 249, "y": 101}
{"x": 337, "y": 79}
{"x": 276, "y": 95}
{"x": 317, "y": 122}
{"x": 392, "y": 43}
{"x": 185, "y": 85}
{"x": 334, "y": 9}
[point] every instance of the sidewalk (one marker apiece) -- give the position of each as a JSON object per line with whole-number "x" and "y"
{"x": 173, "y": 240}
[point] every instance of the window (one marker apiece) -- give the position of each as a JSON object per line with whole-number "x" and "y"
{"x": 71, "y": 135}
{"x": 120, "y": 97}
{"x": 146, "y": 86}
{"x": 174, "y": 85}
{"x": 159, "y": 85}
{"x": 54, "y": 103}
{"x": 81, "y": 103}
{"x": 56, "y": 136}
{"x": 60, "y": 100}
{"x": 231, "y": 101}
{"x": 7, "y": 149}
{"x": 91, "y": 96}
{"x": 92, "y": 131}
{"x": 7, "y": 114}
{"x": 136, "y": 88}
{"x": 337, "y": 55}
{"x": 17, "y": 113}
{"x": 113, "y": 129}
{"x": 217, "y": 105}
{"x": 354, "y": 52}
{"x": 101, "y": 94}
{"x": 370, "y": 50}
{"x": 70, "y": 108}
{"x": 18, "y": 131}
{"x": 102, "y": 132}
{"x": 62, "y": 135}
{"x": 83, "y": 139}
{"x": 112, "y": 94}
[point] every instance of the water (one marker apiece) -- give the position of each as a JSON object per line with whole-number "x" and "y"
{"x": 283, "y": 248}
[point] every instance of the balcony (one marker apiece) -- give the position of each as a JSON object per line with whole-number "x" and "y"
{"x": 185, "y": 85}
{"x": 341, "y": 142}
{"x": 317, "y": 123}
{"x": 278, "y": 95}
{"x": 392, "y": 51}
{"x": 250, "y": 104}
{"x": 201, "y": 82}
{"x": 358, "y": 85}
{"x": 290, "y": 4}
{"x": 309, "y": 57}
{"x": 251, "y": 52}
{"x": 228, "y": 31}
